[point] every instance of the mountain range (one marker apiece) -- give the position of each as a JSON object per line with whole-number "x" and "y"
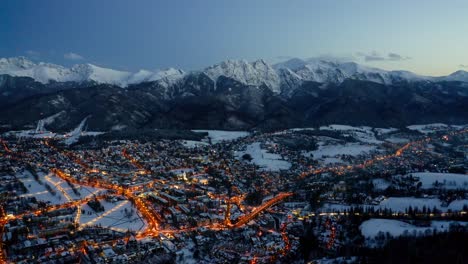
{"x": 234, "y": 94}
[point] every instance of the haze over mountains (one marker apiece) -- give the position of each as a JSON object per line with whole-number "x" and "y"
{"x": 233, "y": 94}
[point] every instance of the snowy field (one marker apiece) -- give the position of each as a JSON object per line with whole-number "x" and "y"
{"x": 383, "y": 131}
{"x": 221, "y": 135}
{"x": 193, "y": 144}
{"x": 397, "y": 140}
{"x": 63, "y": 192}
{"x": 401, "y": 204}
{"x": 380, "y": 184}
{"x": 372, "y": 227}
{"x": 33, "y": 134}
{"x": 363, "y": 133}
{"x": 119, "y": 216}
{"x": 352, "y": 149}
{"x": 444, "y": 180}
{"x": 428, "y": 128}
{"x": 41, "y": 132}
{"x": 265, "y": 160}
{"x": 341, "y": 260}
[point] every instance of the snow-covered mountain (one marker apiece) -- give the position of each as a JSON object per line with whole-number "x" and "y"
{"x": 255, "y": 73}
{"x": 282, "y": 78}
{"x": 336, "y": 72}
{"x": 46, "y": 72}
{"x": 166, "y": 77}
{"x": 301, "y": 93}
{"x": 460, "y": 76}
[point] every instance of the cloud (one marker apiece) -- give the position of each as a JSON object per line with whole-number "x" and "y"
{"x": 33, "y": 54}
{"x": 73, "y": 56}
{"x": 375, "y": 56}
{"x": 397, "y": 57}
{"x": 336, "y": 58}
{"x": 463, "y": 66}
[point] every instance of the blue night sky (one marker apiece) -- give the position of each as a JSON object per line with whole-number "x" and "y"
{"x": 427, "y": 37}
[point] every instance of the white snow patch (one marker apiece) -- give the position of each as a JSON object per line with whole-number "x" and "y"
{"x": 372, "y": 227}
{"x": 120, "y": 216}
{"x": 352, "y": 149}
{"x": 193, "y": 144}
{"x": 363, "y": 133}
{"x": 380, "y": 184}
{"x": 445, "y": 180}
{"x": 264, "y": 159}
{"x": 428, "y": 128}
{"x": 222, "y": 135}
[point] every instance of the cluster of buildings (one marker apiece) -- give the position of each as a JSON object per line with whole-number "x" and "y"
{"x": 129, "y": 201}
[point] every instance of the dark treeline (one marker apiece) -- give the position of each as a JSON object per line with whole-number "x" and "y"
{"x": 144, "y": 135}
{"x": 448, "y": 247}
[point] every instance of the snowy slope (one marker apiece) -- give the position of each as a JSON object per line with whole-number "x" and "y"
{"x": 336, "y": 72}
{"x": 166, "y": 77}
{"x": 254, "y": 73}
{"x": 461, "y": 76}
{"x": 46, "y": 72}
{"x": 281, "y": 78}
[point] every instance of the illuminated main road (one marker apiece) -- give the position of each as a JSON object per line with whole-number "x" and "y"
{"x": 247, "y": 218}
{"x": 152, "y": 217}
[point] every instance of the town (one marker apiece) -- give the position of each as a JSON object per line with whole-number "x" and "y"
{"x": 318, "y": 194}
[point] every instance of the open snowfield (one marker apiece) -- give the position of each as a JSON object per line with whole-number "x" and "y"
{"x": 193, "y": 144}
{"x": 120, "y": 216}
{"x": 363, "y": 133}
{"x": 341, "y": 260}
{"x": 380, "y": 184}
{"x": 372, "y": 227}
{"x": 63, "y": 192}
{"x": 383, "y": 131}
{"x": 401, "y": 204}
{"x": 221, "y": 135}
{"x": 41, "y": 132}
{"x": 352, "y": 149}
{"x": 444, "y": 180}
{"x": 428, "y": 128}
{"x": 33, "y": 134}
{"x": 397, "y": 140}
{"x": 264, "y": 159}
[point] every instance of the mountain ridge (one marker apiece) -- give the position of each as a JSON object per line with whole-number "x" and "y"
{"x": 250, "y": 73}
{"x": 235, "y": 95}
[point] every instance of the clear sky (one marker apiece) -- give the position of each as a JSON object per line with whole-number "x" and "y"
{"x": 424, "y": 36}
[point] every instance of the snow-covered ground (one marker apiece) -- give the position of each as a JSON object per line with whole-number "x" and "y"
{"x": 47, "y": 121}
{"x": 373, "y": 227}
{"x": 221, "y": 135}
{"x": 397, "y": 140}
{"x": 41, "y": 132}
{"x": 341, "y": 260}
{"x": 363, "y": 133}
{"x": 120, "y": 216}
{"x": 380, "y": 184}
{"x": 382, "y": 131}
{"x": 63, "y": 192}
{"x": 193, "y": 144}
{"x": 264, "y": 159}
{"x": 33, "y": 134}
{"x": 428, "y": 128}
{"x": 352, "y": 149}
{"x": 401, "y": 204}
{"x": 444, "y": 180}
{"x": 45, "y": 72}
